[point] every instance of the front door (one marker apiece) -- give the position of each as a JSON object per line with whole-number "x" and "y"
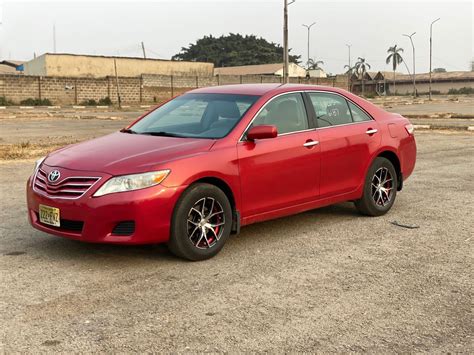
{"x": 280, "y": 172}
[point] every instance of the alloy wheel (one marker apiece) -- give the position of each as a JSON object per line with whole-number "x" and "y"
{"x": 206, "y": 220}
{"x": 382, "y": 187}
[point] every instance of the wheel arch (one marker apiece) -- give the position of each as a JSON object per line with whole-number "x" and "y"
{"x": 225, "y": 187}
{"x": 395, "y": 160}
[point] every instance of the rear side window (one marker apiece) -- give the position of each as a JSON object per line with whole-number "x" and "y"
{"x": 330, "y": 109}
{"x": 357, "y": 114}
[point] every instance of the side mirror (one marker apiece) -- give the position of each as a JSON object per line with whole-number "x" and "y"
{"x": 262, "y": 132}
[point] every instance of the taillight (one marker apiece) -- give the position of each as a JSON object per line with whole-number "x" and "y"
{"x": 410, "y": 129}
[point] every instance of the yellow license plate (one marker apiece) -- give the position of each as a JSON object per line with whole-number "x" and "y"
{"x": 49, "y": 215}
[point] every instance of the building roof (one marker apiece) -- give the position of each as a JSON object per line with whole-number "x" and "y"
{"x": 12, "y": 63}
{"x": 387, "y": 75}
{"x": 259, "y": 69}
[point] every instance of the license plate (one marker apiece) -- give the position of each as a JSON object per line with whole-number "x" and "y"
{"x": 49, "y": 215}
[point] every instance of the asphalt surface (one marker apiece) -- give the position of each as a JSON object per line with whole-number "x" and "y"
{"x": 327, "y": 280}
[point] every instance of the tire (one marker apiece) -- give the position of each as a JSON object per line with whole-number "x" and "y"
{"x": 380, "y": 188}
{"x": 196, "y": 238}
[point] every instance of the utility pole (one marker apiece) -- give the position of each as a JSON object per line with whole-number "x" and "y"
{"x": 309, "y": 30}
{"x": 285, "y": 40}
{"x": 414, "y": 73}
{"x": 143, "y": 49}
{"x": 349, "y": 48}
{"x": 54, "y": 37}
{"x": 117, "y": 84}
{"x": 431, "y": 49}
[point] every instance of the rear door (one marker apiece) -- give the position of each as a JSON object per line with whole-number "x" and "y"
{"x": 280, "y": 172}
{"x": 348, "y": 136}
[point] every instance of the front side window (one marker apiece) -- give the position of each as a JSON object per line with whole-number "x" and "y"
{"x": 286, "y": 112}
{"x": 330, "y": 109}
{"x": 196, "y": 115}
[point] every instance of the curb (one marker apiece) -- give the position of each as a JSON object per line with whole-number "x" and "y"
{"x": 422, "y": 127}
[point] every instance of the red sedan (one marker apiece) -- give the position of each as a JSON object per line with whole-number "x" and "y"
{"x": 197, "y": 168}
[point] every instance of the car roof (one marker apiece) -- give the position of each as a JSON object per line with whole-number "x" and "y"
{"x": 260, "y": 89}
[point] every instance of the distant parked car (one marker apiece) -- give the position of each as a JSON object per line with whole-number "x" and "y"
{"x": 196, "y": 169}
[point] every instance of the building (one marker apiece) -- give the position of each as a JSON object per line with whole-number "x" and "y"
{"x": 92, "y": 66}
{"x": 383, "y": 82}
{"x": 317, "y": 73}
{"x": 276, "y": 69}
{"x": 11, "y": 67}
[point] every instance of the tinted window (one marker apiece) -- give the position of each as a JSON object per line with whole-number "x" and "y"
{"x": 197, "y": 115}
{"x": 357, "y": 114}
{"x": 286, "y": 112}
{"x": 330, "y": 109}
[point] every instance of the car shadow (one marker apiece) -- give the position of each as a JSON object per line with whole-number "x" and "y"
{"x": 60, "y": 249}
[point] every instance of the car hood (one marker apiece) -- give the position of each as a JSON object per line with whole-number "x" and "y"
{"x": 123, "y": 153}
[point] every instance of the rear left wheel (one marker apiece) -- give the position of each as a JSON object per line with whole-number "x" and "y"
{"x": 201, "y": 223}
{"x": 380, "y": 188}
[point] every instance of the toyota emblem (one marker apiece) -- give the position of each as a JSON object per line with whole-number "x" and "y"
{"x": 54, "y": 176}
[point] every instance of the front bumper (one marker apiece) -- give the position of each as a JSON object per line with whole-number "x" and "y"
{"x": 151, "y": 209}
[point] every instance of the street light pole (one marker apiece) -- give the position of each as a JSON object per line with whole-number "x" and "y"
{"x": 309, "y": 29}
{"x": 285, "y": 40}
{"x": 349, "y": 48}
{"x": 413, "y": 47}
{"x": 431, "y": 49}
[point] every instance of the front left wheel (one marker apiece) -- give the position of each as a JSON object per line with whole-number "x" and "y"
{"x": 201, "y": 223}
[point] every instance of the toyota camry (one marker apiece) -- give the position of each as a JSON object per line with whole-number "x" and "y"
{"x": 194, "y": 170}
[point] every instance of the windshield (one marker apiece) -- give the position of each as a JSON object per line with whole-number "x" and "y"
{"x": 196, "y": 116}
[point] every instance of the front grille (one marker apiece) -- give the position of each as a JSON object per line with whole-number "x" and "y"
{"x": 124, "y": 228}
{"x": 70, "y": 187}
{"x": 66, "y": 225}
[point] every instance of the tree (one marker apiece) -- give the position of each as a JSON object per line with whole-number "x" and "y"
{"x": 361, "y": 67}
{"x": 439, "y": 70}
{"x": 314, "y": 64}
{"x": 396, "y": 58}
{"x": 233, "y": 50}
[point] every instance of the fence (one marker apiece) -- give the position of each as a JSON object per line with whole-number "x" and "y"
{"x": 142, "y": 89}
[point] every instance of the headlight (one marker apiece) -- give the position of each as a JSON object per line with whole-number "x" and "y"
{"x": 38, "y": 164}
{"x": 132, "y": 182}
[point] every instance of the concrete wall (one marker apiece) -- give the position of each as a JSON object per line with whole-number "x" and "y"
{"x": 96, "y": 66}
{"x": 142, "y": 89}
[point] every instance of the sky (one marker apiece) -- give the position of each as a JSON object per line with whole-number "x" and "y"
{"x": 118, "y": 27}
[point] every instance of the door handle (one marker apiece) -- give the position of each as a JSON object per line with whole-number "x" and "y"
{"x": 371, "y": 131}
{"x": 310, "y": 143}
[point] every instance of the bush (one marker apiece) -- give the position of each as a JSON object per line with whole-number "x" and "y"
{"x": 106, "y": 101}
{"x": 461, "y": 91}
{"x": 36, "y": 102}
{"x": 90, "y": 102}
{"x": 5, "y": 102}
{"x": 102, "y": 102}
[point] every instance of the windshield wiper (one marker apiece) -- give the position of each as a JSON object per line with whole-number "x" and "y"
{"x": 128, "y": 130}
{"x": 162, "y": 134}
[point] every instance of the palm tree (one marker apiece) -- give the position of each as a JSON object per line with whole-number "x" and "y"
{"x": 314, "y": 64}
{"x": 349, "y": 70}
{"x": 396, "y": 58}
{"x": 361, "y": 67}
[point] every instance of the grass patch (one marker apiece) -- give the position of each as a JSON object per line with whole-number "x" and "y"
{"x": 28, "y": 150}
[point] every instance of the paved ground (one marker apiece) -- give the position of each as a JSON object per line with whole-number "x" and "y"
{"x": 327, "y": 280}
